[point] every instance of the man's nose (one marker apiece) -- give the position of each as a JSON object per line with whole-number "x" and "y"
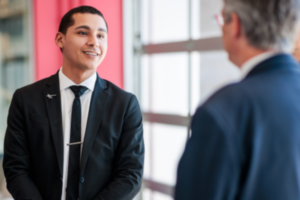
{"x": 93, "y": 41}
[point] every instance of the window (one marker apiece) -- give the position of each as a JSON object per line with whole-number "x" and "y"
{"x": 16, "y": 65}
{"x": 174, "y": 60}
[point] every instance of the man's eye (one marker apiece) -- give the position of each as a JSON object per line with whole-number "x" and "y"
{"x": 100, "y": 36}
{"x": 82, "y": 33}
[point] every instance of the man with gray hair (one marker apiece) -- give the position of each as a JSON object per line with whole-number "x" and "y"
{"x": 245, "y": 142}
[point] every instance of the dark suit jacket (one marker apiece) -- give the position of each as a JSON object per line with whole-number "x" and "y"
{"x": 113, "y": 150}
{"x": 245, "y": 142}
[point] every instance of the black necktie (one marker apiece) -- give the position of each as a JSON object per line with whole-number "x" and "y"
{"x": 74, "y": 153}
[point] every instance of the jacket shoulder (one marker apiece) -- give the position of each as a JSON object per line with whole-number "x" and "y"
{"x": 230, "y": 94}
{"x": 227, "y": 103}
{"x": 36, "y": 86}
{"x": 117, "y": 91}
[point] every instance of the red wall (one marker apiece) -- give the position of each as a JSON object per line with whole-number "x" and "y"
{"x": 48, "y": 59}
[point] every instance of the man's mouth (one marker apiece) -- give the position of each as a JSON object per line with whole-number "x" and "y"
{"x": 91, "y": 53}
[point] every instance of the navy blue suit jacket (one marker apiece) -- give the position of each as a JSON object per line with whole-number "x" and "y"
{"x": 245, "y": 142}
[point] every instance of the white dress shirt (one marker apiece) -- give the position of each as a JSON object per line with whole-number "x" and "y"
{"x": 251, "y": 63}
{"x": 67, "y": 97}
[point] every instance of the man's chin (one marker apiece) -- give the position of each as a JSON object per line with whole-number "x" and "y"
{"x": 231, "y": 57}
{"x": 88, "y": 67}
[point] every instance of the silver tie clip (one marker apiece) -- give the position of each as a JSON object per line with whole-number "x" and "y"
{"x": 74, "y": 143}
{"x": 51, "y": 95}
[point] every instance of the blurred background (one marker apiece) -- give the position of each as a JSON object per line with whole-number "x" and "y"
{"x": 167, "y": 52}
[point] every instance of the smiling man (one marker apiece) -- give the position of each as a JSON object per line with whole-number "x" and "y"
{"x": 74, "y": 135}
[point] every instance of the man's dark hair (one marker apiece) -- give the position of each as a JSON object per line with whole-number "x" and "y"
{"x": 68, "y": 19}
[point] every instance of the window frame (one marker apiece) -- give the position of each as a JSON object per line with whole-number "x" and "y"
{"x": 134, "y": 50}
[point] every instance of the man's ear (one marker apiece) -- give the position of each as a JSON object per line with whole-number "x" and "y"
{"x": 236, "y": 26}
{"x": 60, "y": 40}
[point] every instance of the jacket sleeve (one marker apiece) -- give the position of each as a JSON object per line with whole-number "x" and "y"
{"x": 129, "y": 160}
{"x": 16, "y": 162}
{"x": 207, "y": 169}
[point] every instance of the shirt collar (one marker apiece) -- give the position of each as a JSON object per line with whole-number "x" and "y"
{"x": 252, "y": 62}
{"x": 65, "y": 82}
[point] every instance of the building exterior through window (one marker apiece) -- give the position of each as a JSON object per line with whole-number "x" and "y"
{"x": 177, "y": 62}
{"x": 16, "y": 68}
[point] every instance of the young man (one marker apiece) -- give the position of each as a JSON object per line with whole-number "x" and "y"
{"x": 74, "y": 135}
{"x": 245, "y": 142}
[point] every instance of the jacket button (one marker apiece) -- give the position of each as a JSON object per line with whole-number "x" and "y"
{"x": 82, "y": 180}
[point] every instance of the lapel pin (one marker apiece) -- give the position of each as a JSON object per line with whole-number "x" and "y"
{"x": 51, "y": 95}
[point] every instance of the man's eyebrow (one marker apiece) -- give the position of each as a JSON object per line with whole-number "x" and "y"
{"x": 88, "y": 28}
{"x": 102, "y": 29}
{"x": 84, "y": 27}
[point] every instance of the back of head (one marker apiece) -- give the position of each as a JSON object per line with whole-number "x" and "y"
{"x": 267, "y": 24}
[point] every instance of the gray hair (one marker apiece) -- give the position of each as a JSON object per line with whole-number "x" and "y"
{"x": 267, "y": 24}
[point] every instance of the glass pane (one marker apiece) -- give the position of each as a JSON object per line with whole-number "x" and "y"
{"x": 15, "y": 69}
{"x": 145, "y": 21}
{"x": 160, "y": 196}
{"x": 147, "y": 194}
{"x": 145, "y": 84}
{"x": 208, "y": 8}
{"x": 151, "y": 195}
{"x": 216, "y": 71}
{"x": 147, "y": 141}
{"x": 166, "y": 145}
{"x": 169, "y": 83}
{"x": 195, "y": 75}
{"x": 167, "y": 20}
{"x": 196, "y": 28}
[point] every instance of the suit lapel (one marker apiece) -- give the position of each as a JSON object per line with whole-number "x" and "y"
{"x": 96, "y": 112}
{"x": 53, "y": 106}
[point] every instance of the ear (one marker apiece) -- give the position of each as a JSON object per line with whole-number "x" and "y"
{"x": 236, "y": 26}
{"x": 60, "y": 40}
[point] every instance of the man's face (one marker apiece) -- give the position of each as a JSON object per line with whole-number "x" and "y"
{"x": 85, "y": 43}
{"x": 225, "y": 35}
{"x": 233, "y": 38}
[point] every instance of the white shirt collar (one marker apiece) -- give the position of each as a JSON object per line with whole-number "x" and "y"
{"x": 65, "y": 82}
{"x": 252, "y": 62}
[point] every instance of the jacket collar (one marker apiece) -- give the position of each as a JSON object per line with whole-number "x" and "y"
{"x": 256, "y": 60}
{"x": 98, "y": 106}
{"x": 53, "y": 106}
{"x": 54, "y": 79}
{"x": 277, "y": 62}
